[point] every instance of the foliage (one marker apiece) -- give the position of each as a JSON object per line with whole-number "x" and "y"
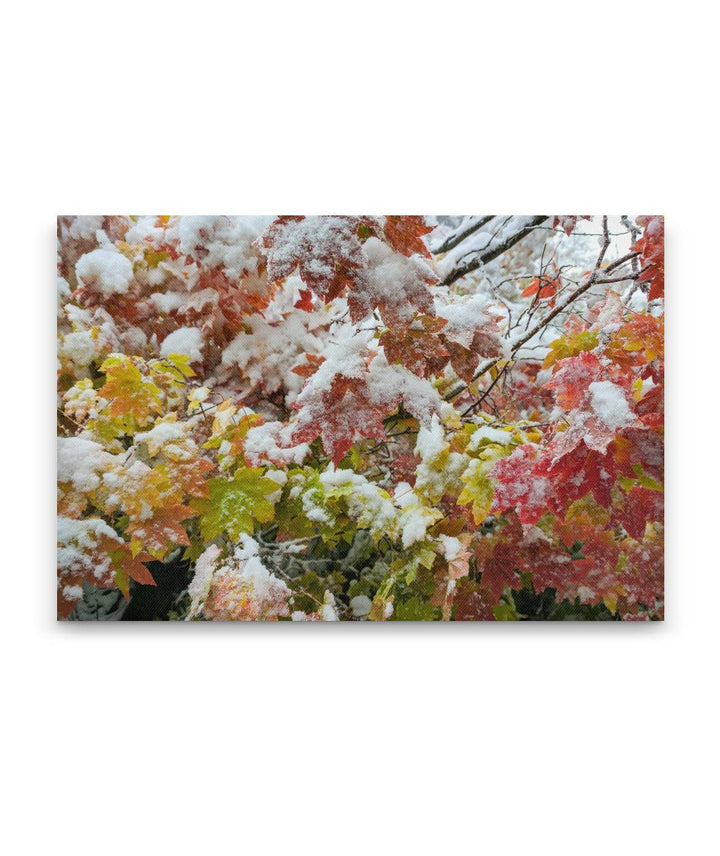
{"x": 360, "y": 418}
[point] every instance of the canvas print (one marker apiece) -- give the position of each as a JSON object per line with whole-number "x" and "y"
{"x": 360, "y": 418}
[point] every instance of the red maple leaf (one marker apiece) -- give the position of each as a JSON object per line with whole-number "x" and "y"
{"x": 651, "y": 247}
{"x": 326, "y": 251}
{"x": 419, "y": 347}
{"x": 520, "y": 484}
{"x": 571, "y": 378}
{"x": 404, "y": 234}
{"x": 641, "y": 506}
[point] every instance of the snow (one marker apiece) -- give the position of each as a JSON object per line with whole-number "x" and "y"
{"x": 77, "y": 542}
{"x": 82, "y": 401}
{"x": 200, "y": 583}
{"x": 360, "y": 605}
{"x": 483, "y": 241}
{"x": 391, "y": 278}
{"x": 63, "y": 295}
{"x": 415, "y": 521}
{"x": 368, "y": 504}
{"x": 328, "y": 611}
{"x": 318, "y": 240}
{"x": 83, "y": 228}
{"x": 270, "y": 443}
{"x": 145, "y": 229}
{"x": 414, "y": 518}
{"x": 167, "y": 301}
{"x": 346, "y": 354}
{"x": 353, "y": 354}
{"x": 81, "y": 462}
{"x": 106, "y": 271}
{"x": 465, "y": 316}
{"x": 493, "y": 435}
{"x": 268, "y": 353}
{"x": 451, "y": 547}
{"x": 610, "y": 405}
{"x": 128, "y": 484}
{"x": 224, "y": 242}
{"x": 161, "y": 434}
{"x": 430, "y": 441}
{"x": 81, "y": 348}
{"x": 187, "y": 341}
{"x": 386, "y": 383}
{"x": 239, "y": 587}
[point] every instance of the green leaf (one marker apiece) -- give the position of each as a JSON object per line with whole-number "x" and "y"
{"x": 415, "y": 610}
{"x": 304, "y": 510}
{"x": 236, "y": 503}
{"x": 505, "y": 612}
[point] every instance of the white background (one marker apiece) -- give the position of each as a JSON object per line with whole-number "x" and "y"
{"x": 359, "y": 739}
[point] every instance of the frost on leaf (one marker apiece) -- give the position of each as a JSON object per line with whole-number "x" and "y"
{"x": 518, "y": 486}
{"x": 352, "y": 391}
{"x": 332, "y": 254}
{"x": 238, "y": 588}
{"x": 234, "y": 504}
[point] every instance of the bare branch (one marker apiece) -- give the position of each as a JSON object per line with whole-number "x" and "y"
{"x": 591, "y": 280}
{"x": 458, "y": 237}
{"x": 488, "y": 255}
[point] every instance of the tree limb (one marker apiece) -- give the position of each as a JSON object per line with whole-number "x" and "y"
{"x": 488, "y": 255}
{"x": 458, "y": 237}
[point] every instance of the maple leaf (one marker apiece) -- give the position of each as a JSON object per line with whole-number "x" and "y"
{"x": 190, "y": 476}
{"x": 350, "y": 394}
{"x": 570, "y": 346}
{"x": 326, "y": 251}
{"x": 160, "y": 533}
{"x": 478, "y": 490}
{"x": 418, "y": 347}
{"x": 332, "y": 254}
{"x": 518, "y": 485}
{"x": 82, "y": 556}
{"x": 128, "y": 565}
{"x": 567, "y": 222}
{"x": 464, "y": 360}
{"x": 236, "y": 434}
{"x": 471, "y": 332}
{"x": 592, "y": 575}
{"x": 459, "y": 564}
{"x": 235, "y": 503}
{"x": 348, "y": 415}
{"x": 651, "y": 247}
{"x": 498, "y": 559}
{"x": 136, "y": 489}
{"x": 542, "y": 286}
{"x": 641, "y": 506}
{"x": 572, "y": 377}
{"x": 392, "y": 283}
{"x": 579, "y": 472}
{"x": 642, "y": 573}
{"x": 644, "y": 450}
{"x": 640, "y": 340}
{"x": 305, "y": 300}
{"x": 310, "y": 366}
{"x": 404, "y": 234}
{"x": 471, "y": 603}
{"x": 128, "y": 391}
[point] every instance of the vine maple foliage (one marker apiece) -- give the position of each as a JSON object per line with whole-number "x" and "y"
{"x": 360, "y": 417}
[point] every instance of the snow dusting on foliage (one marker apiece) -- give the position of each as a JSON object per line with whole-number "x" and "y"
{"x": 361, "y": 417}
